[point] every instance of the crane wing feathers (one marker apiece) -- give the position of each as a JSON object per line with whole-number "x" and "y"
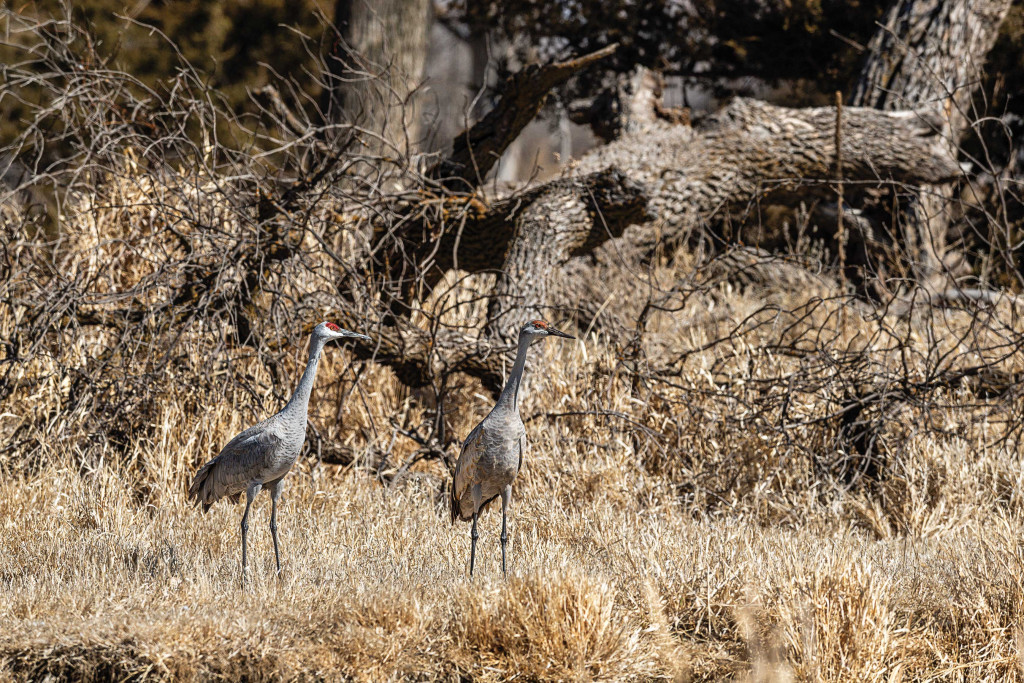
{"x": 491, "y": 457}
{"x": 235, "y": 466}
{"x": 468, "y": 458}
{"x": 465, "y": 469}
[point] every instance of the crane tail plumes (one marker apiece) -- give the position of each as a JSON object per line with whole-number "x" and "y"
{"x": 202, "y": 485}
{"x": 454, "y": 507}
{"x": 460, "y": 515}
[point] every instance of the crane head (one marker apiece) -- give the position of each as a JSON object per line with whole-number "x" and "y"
{"x": 330, "y": 331}
{"x": 538, "y": 329}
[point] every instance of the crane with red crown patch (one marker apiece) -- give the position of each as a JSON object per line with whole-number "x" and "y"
{"x": 492, "y": 454}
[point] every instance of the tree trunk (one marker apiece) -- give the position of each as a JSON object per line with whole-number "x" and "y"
{"x": 683, "y": 177}
{"x": 664, "y": 180}
{"x": 375, "y": 65}
{"x": 566, "y": 218}
{"x": 749, "y": 149}
{"x": 930, "y": 53}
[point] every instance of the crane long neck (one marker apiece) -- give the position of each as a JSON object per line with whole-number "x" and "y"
{"x": 300, "y": 399}
{"x": 510, "y": 394}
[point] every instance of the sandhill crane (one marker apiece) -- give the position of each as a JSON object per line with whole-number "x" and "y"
{"x": 262, "y": 455}
{"x": 493, "y": 452}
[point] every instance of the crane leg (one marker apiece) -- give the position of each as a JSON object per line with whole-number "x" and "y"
{"x": 473, "y": 535}
{"x": 506, "y": 496}
{"x": 477, "y": 493}
{"x": 250, "y": 493}
{"x": 275, "y": 493}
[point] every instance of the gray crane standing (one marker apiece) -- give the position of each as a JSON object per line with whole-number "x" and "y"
{"x": 262, "y": 455}
{"x": 492, "y": 454}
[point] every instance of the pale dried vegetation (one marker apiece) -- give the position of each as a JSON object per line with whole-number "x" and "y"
{"x": 661, "y": 530}
{"x": 738, "y": 472}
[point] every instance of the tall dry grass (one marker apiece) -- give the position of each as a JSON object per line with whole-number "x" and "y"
{"x": 691, "y": 507}
{"x": 622, "y": 567}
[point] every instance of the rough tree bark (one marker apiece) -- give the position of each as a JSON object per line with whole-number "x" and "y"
{"x": 681, "y": 175}
{"x": 376, "y": 61}
{"x": 565, "y": 219}
{"x": 930, "y": 53}
{"x": 684, "y": 177}
{"x": 692, "y": 175}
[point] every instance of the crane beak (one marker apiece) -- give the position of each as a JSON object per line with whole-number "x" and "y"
{"x": 558, "y": 333}
{"x": 356, "y": 335}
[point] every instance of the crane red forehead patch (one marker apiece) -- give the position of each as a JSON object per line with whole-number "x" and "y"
{"x": 333, "y": 327}
{"x": 539, "y": 323}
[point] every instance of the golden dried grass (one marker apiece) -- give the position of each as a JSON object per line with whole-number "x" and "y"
{"x": 610, "y": 578}
{"x": 721, "y": 555}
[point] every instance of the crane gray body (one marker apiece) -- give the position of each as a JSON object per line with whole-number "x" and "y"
{"x": 263, "y": 454}
{"x": 491, "y": 458}
{"x": 492, "y": 454}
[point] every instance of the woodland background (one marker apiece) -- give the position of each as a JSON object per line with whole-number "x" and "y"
{"x": 787, "y": 445}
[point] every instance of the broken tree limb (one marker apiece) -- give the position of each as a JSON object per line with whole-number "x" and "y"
{"x": 688, "y": 177}
{"x": 568, "y": 218}
{"x": 684, "y": 177}
{"x": 693, "y": 176}
{"x": 478, "y": 148}
{"x": 751, "y": 147}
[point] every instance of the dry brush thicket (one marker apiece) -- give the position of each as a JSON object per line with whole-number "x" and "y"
{"x": 740, "y": 470}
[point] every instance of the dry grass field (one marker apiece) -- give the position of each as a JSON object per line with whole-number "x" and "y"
{"x": 725, "y": 556}
{"x": 741, "y": 470}
{"x": 695, "y": 504}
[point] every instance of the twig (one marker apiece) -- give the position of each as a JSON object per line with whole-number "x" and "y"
{"x": 840, "y": 228}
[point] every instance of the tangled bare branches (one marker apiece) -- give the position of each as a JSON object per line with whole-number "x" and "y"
{"x": 159, "y": 250}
